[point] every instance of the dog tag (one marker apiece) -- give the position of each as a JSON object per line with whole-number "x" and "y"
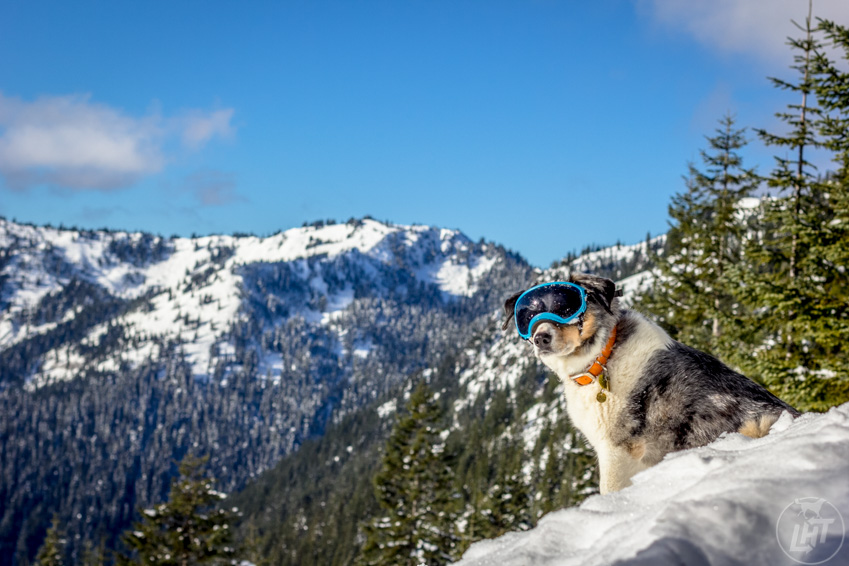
{"x": 601, "y": 397}
{"x": 602, "y": 380}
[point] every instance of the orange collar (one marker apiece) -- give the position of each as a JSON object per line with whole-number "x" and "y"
{"x": 598, "y": 365}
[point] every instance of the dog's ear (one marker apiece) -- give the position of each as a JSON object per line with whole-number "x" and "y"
{"x": 599, "y": 289}
{"x": 509, "y": 306}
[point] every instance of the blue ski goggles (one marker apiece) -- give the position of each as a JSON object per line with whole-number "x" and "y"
{"x": 558, "y": 302}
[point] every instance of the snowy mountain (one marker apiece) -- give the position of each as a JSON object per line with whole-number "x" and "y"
{"x": 193, "y": 291}
{"x": 120, "y": 352}
{"x": 780, "y": 499}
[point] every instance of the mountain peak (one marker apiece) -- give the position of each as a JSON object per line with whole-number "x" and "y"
{"x": 195, "y": 289}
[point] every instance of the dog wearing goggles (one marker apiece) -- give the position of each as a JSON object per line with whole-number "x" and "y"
{"x": 634, "y": 393}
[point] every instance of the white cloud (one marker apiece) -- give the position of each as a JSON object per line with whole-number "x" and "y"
{"x": 758, "y": 27}
{"x": 199, "y": 128}
{"x": 72, "y": 142}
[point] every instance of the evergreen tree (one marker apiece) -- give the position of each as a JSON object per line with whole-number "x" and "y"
{"x": 694, "y": 297}
{"x": 477, "y": 479}
{"x": 549, "y": 471}
{"x": 832, "y": 89}
{"x": 831, "y": 246}
{"x": 252, "y": 547}
{"x": 415, "y": 491}
{"x": 187, "y": 529}
{"x": 510, "y": 498}
{"x": 570, "y": 471}
{"x": 797, "y": 292}
{"x": 795, "y": 172}
{"x": 51, "y": 552}
{"x": 94, "y": 556}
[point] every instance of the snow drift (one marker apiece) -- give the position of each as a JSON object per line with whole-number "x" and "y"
{"x": 781, "y": 499}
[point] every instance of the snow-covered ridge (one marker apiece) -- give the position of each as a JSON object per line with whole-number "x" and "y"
{"x": 88, "y": 250}
{"x": 781, "y": 499}
{"x": 197, "y": 286}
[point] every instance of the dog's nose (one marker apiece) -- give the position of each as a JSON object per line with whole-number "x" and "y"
{"x": 542, "y": 340}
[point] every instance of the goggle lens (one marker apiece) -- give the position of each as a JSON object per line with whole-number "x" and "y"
{"x": 558, "y": 302}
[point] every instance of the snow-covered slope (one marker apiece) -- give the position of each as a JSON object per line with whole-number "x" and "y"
{"x": 192, "y": 290}
{"x": 619, "y": 261}
{"x": 121, "y": 352}
{"x": 781, "y": 499}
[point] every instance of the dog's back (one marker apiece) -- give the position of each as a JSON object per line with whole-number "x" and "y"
{"x": 685, "y": 398}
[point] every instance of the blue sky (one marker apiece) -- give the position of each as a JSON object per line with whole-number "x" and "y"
{"x": 540, "y": 125}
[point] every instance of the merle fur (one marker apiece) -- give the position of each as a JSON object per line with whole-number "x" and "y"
{"x": 683, "y": 397}
{"x": 686, "y": 398}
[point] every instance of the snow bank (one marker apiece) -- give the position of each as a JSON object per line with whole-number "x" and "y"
{"x": 781, "y": 499}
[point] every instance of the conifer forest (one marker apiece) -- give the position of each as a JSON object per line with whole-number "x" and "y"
{"x": 342, "y": 393}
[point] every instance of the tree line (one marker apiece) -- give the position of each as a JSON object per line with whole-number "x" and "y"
{"x": 763, "y": 283}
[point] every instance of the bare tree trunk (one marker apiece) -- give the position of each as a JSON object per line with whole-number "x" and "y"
{"x": 797, "y": 190}
{"x": 716, "y": 330}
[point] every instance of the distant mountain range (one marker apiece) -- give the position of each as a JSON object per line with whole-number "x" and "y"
{"x": 193, "y": 291}
{"x": 120, "y": 352}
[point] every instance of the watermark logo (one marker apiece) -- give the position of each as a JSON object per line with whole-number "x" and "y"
{"x": 810, "y": 530}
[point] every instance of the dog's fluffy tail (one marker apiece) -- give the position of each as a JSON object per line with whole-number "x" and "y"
{"x": 758, "y": 427}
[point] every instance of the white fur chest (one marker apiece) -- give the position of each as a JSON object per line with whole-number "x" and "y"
{"x": 592, "y": 418}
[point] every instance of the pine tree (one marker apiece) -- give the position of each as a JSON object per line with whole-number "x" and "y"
{"x": 94, "y": 555}
{"x": 253, "y": 547}
{"x": 831, "y": 86}
{"x": 569, "y": 473}
{"x": 795, "y": 172}
{"x": 415, "y": 491}
{"x": 507, "y": 505}
{"x": 550, "y": 471}
{"x": 51, "y": 552}
{"x": 832, "y": 89}
{"x": 480, "y": 477}
{"x": 694, "y": 297}
{"x": 187, "y": 529}
{"x": 797, "y": 294}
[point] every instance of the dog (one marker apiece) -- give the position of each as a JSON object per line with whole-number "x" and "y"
{"x": 650, "y": 395}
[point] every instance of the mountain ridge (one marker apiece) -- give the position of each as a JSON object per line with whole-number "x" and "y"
{"x": 131, "y": 265}
{"x": 121, "y": 352}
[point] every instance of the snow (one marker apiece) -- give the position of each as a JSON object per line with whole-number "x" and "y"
{"x": 735, "y": 501}
{"x": 387, "y": 408}
{"x": 457, "y": 278}
{"x": 749, "y": 203}
{"x": 362, "y": 350}
{"x": 500, "y": 362}
{"x": 635, "y": 285}
{"x": 614, "y": 254}
{"x": 198, "y": 294}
